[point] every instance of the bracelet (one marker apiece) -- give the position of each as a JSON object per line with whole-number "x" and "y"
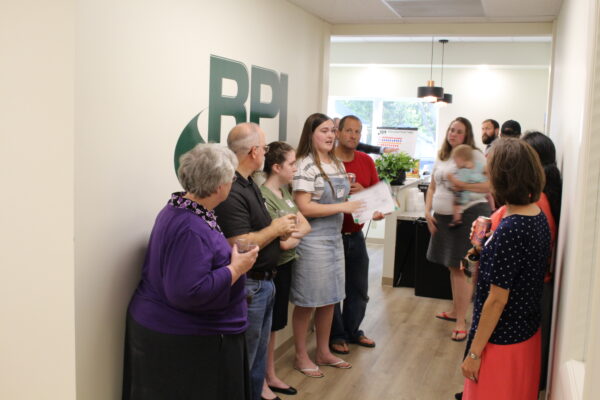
{"x": 474, "y": 356}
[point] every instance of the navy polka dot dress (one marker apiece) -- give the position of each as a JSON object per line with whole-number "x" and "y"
{"x": 515, "y": 258}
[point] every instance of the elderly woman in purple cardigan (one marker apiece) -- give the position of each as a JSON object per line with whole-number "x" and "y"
{"x": 186, "y": 320}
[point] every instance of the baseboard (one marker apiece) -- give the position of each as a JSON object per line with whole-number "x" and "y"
{"x": 375, "y": 240}
{"x": 385, "y": 281}
{"x": 570, "y": 381}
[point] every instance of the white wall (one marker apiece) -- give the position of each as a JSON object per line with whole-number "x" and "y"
{"x": 37, "y": 356}
{"x": 457, "y": 52}
{"x": 570, "y": 116}
{"x": 501, "y": 94}
{"x": 142, "y": 72}
{"x": 488, "y": 80}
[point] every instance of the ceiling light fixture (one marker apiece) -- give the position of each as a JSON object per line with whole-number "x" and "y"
{"x": 447, "y": 98}
{"x": 430, "y": 93}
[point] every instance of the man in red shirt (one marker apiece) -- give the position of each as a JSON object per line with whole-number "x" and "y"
{"x": 348, "y": 316}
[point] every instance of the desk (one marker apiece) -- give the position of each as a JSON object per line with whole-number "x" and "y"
{"x": 413, "y": 270}
{"x": 391, "y": 222}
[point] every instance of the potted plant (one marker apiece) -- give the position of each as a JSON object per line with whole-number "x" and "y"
{"x": 393, "y": 167}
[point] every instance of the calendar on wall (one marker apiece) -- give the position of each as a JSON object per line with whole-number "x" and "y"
{"x": 403, "y": 139}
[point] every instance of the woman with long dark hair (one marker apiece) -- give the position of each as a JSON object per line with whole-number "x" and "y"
{"x": 320, "y": 189}
{"x": 280, "y": 167}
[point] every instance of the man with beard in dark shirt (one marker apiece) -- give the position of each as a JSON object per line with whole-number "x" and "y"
{"x": 489, "y": 132}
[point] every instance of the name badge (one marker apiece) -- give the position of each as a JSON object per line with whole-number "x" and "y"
{"x": 340, "y": 192}
{"x": 289, "y": 203}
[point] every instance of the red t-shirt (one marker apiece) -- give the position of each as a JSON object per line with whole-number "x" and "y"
{"x": 544, "y": 205}
{"x": 366, "y": 174}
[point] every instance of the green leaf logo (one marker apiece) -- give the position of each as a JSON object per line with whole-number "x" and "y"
{"x": 189, "y": 138}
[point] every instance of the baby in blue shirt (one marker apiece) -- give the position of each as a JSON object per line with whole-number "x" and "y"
{"x": 469, "y": 171}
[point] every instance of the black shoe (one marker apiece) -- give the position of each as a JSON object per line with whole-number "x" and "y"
{"x": 458, "y": 396}
{"x": 290, "y": 390}
{"x": 275, "y": 398}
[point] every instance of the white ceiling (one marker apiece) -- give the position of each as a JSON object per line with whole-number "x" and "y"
{"x": 442, "y": 11}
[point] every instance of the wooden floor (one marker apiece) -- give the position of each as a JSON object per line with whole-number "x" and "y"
{"x": 414, "y": 357}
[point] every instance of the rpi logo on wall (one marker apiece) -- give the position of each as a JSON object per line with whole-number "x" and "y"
{"x": 235, "y": 106}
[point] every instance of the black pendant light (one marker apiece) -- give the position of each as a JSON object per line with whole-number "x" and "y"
{"x": 430, "y": 93}
{"x": 447, "y": 98}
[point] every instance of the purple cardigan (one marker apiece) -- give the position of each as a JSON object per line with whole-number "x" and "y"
{"x": 185, "y": 288}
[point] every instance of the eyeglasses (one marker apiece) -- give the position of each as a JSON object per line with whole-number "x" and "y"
{"x": 265, "y": 148}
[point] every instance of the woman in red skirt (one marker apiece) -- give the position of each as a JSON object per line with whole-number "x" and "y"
{"x": 503, "y": 356}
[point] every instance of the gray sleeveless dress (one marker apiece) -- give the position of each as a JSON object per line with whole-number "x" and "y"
{"x": 318, "y": 277}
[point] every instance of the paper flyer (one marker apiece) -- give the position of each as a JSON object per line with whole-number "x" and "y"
{"x": 375, "y": 198}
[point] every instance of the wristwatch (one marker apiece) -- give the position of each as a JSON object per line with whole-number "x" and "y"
{"x": 474, "y": 356}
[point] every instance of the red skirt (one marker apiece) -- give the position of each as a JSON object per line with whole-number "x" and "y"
{"x": 507, "y": 372}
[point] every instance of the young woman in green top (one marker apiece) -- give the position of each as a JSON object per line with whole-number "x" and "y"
{"x": 280, "y": 167}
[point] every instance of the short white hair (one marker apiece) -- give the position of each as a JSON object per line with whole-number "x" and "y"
{"x": 243, "y": 137}
{"x": 204, "y": 168}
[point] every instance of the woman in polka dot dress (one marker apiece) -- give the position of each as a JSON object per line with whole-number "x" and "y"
{"x": 503, "y": 356}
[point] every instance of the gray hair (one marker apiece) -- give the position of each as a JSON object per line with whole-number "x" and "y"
{"x": 243, "y": 137}
{"x": 204, "y": 168}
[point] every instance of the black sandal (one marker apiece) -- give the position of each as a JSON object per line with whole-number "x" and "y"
{"x": 338, "y": 343}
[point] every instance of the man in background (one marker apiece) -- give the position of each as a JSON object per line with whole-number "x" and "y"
{"x": 511, "y": 128}
{"x": 366, "y": 148}
{"x": 490, "y": 130}
{"x": 348, "y": 316}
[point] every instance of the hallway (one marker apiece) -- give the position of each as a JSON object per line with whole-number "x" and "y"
{"x": 414, "y": 357}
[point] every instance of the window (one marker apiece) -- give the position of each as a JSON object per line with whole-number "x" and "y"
{"x": 363, "y": 109}
{"x": 406, "y": 113}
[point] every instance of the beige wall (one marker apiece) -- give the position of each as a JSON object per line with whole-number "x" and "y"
{"x": 37, "y": 356}
{"x": 94, "y": 97}
{"x": 142, "y": 72}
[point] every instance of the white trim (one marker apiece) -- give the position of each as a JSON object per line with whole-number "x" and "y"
{"x": 427, "y": 39}
{"x": 571, "y": 381}
{"x": 446, "y": 66}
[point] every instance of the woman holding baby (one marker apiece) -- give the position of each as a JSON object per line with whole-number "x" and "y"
{"x": 450, "y": 229}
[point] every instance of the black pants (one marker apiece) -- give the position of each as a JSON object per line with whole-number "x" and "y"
{"x": 162, "y": 366}
{"x": 346, "y": 321}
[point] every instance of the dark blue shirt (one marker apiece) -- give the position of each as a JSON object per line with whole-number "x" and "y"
{"x": 515, "y": 258}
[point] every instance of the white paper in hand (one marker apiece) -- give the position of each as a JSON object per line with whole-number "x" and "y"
{"x": 375, "y": 198}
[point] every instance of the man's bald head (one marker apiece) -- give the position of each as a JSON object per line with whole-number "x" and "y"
{"x": 243, "y": 137}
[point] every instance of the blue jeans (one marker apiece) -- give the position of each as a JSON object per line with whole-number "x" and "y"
{"x": 261, "y": 295}
{"x": 347, "y": 319}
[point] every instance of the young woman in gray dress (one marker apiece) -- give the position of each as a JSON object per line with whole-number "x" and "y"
{"x": 320, "y": 189}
